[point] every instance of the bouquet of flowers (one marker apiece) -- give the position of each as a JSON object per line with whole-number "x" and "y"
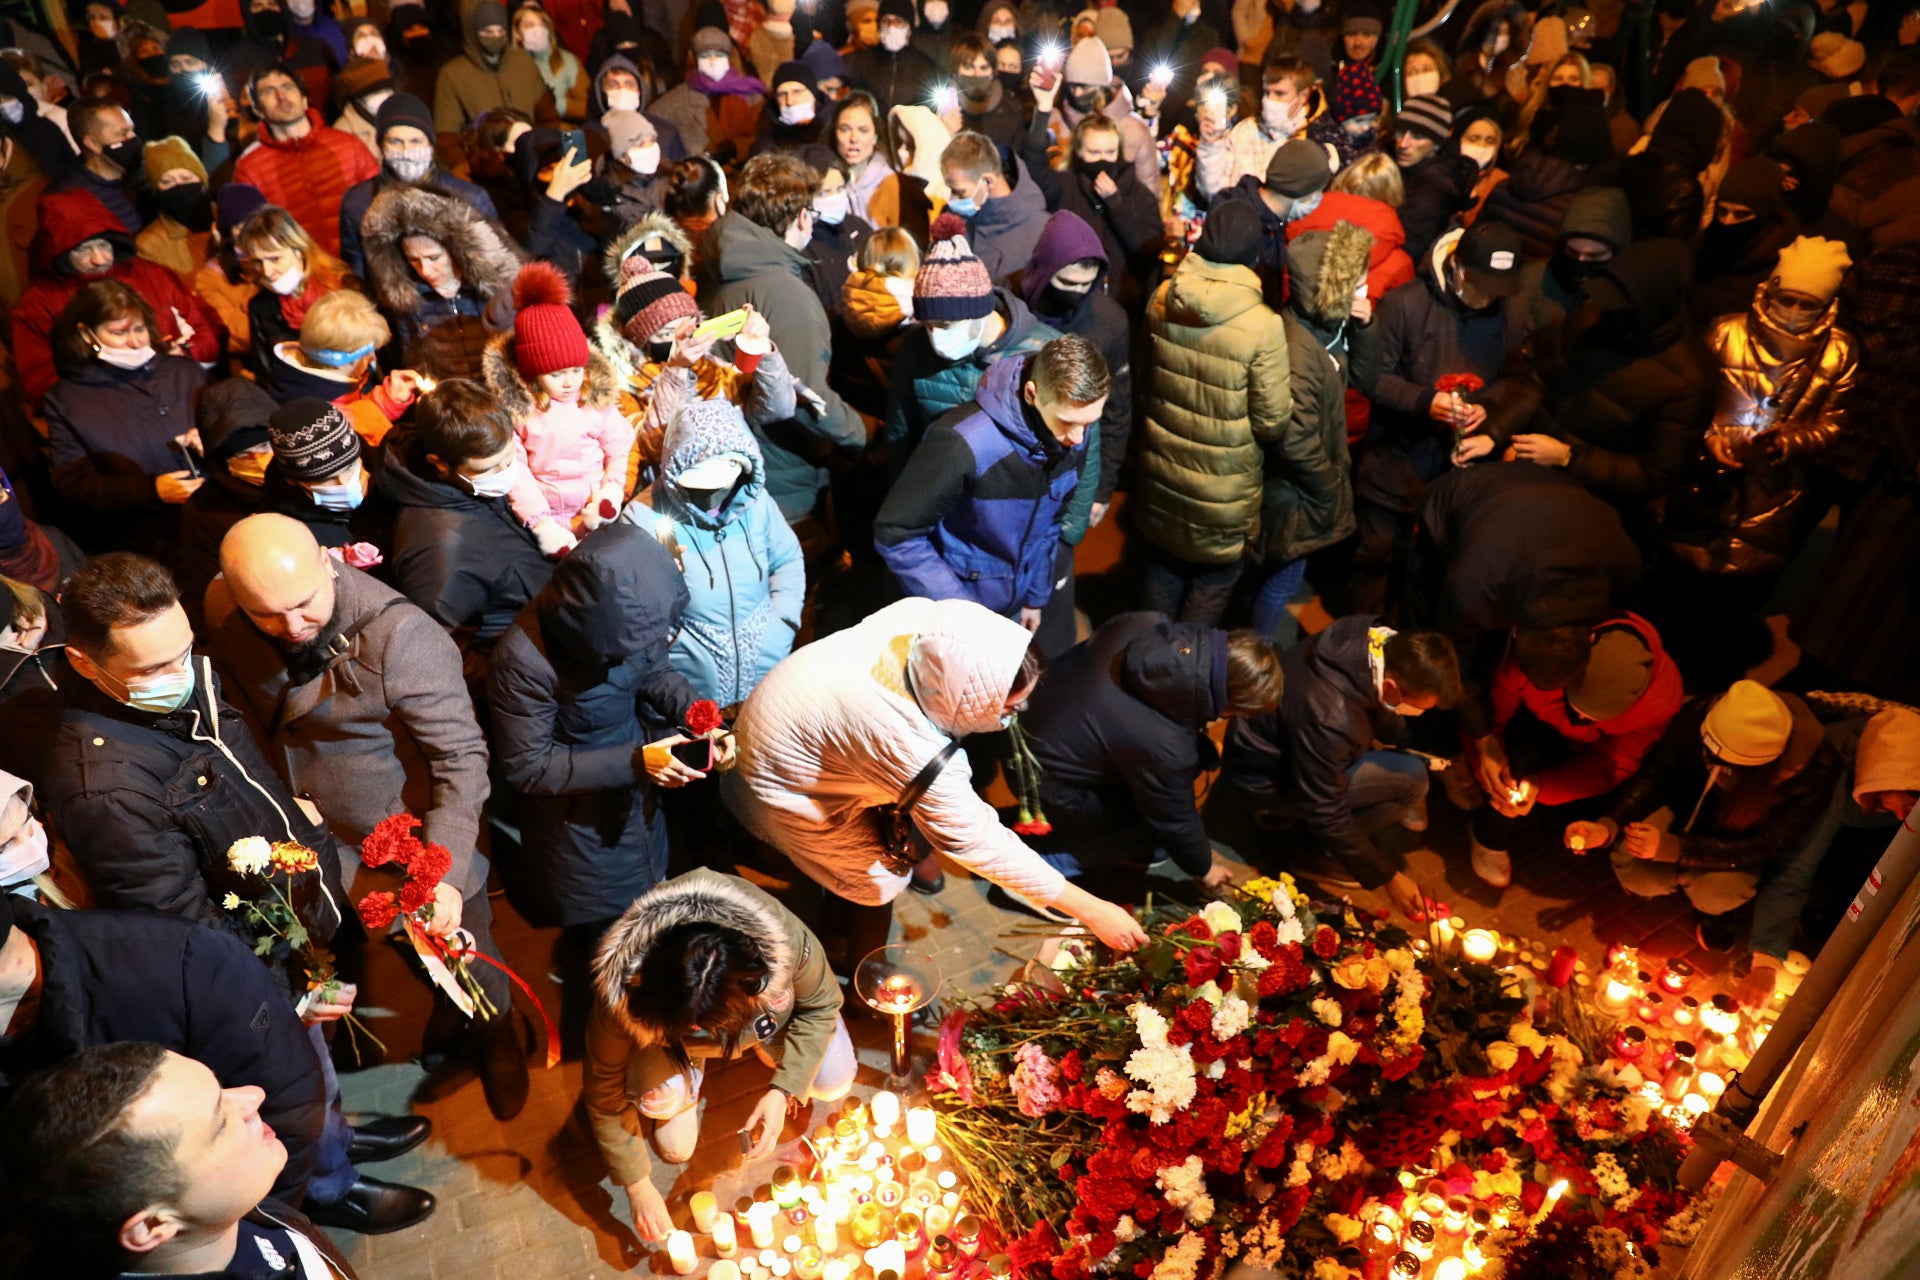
{"x": 275, "y": 924}
{"x": 424, "y": 865}
{"x": 1458, "y": 386}
{"x": 1265, "y": 1083}
{"x": 1024, "y": 768}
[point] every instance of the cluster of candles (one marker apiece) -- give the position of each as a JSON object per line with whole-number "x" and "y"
{"x": 1441, "y": 1237}
{"x": 877, "y": 1205}
{"x": 1449, "y": 936}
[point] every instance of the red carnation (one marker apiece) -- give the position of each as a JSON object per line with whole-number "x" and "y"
{"x": 703, "y": 717}
{"x": 1265, "y": 939}
{"x": 378, "y": 910}
{"x": 415, "y": 894}
{"x": 1194, "y": 927}
{"x": 429, "y": 865}
{"x": 1073, "y": 1067}
{"x": 1326, "y": 943}
{"x": 391, "y": 840}
{"x": 1458, "y": 383}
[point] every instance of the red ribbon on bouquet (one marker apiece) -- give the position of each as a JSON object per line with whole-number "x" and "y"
{"x": 448, "y": 953}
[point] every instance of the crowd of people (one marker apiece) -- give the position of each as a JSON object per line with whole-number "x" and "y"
{"x": 648, "y": 443}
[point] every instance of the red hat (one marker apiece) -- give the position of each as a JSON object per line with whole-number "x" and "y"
{"x": 546, "y": 337}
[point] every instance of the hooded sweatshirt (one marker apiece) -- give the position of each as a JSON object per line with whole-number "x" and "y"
{"x": 1558, "y": 285}
{"x": 1094, "y": 315}
{"x": 476, "y": 81}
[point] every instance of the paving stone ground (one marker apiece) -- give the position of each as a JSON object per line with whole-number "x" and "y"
{"x": 530, "y": 1200}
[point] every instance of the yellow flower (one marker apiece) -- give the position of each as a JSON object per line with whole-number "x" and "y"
{"x": 1502, "y": 1056}
{"x": 250, "y": 857}
{"x": 1221, "y": 918}
{"x": 231, "y": 902}
{"x": 1346, "y": 1230}
{"x": 1351, "y": 972}
{"x": 1524, "y": 1036}
{"x": 294, "y": 858}
{"x": 1342, "y": 1048}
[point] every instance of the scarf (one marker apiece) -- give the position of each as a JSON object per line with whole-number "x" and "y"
{"x": 736, "y": 84}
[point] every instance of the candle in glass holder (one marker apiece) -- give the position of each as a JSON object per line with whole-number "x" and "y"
{"x": 724, "y": 1240}
{"x": 1479, "y": 946}
{"x": 1419, "y": 1239}
{"x": 781, "y": 1269}
{"x": 1710, "y": 1085}
{"x": 723, "y": 1270}
{"x": 889, "y": 1194}
{"x": 839, "y": 1206}
{"x": 943, "y": 1261}
{"x": 1686, "y": 1012}
{"x": 790, "y": 1244}
{"x": 837, "y": 1269}
{"x": 760, "y": 1223}
{"x": 965, "y": 1234}
{"x": 1404, "y": 1266}
{"x": 786, "y": 1186}
{"x": 907, "y": 1230}
{"x": 742, "y": 1213}
{"x": 1450, "y": 1269}
{"x": 1630, "y": 1043}
{"x": 808, "y": 1263}
{"x": 1649, "y": 1007}
{"x": 1721, "y": 1015}
{"x": 951, "y": 1200}
{"x": 1676, "y": 977}
{"x": 1454, "y": 1217}
{"x": 912, "y": 1162}
{"x": 885, "y": 1106}
{"x": 1695, "y": 1106}
{"x": 705, "y": 1207}
{"x": 887, "y": 1256}
{"x": 680, "y": 1252}
{"x": 826, "y": 1233}
{"x": 921, "y": 1122}
{"x": 868, "y": 1225}
{"x": 1560, "y": 971}
{"x": 938, "y": 1218}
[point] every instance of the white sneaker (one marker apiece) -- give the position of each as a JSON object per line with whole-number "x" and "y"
{"x": 1491, "y": 865}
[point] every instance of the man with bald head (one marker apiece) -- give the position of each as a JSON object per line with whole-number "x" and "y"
{"x": 358, "y": 698}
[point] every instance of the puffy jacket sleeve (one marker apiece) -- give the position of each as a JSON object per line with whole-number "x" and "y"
{"x": 521, "y": 690}
{"x": 428, "y": 696}
{"x": 934, "y": 482}
{"x": 132, "y": 857}
{"x": 615, "y": 1120}
{"x": 1672, "y": 434}
{"x": 1269, "y": 382}
{"x": 957, "y": 822}
{"x": 786, "y": 565}
{"x": 31, "y": 330}
{"x": 1819, "y": 420}
{"x": 770, "y": 394}
{"x": 1797, "y": 806}
{"x": 240, "y": 1025}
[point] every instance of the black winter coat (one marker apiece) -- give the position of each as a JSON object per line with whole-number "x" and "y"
{"x": 1439, "y": 189}
{"x": 135, "y": 975}
{"x": 1306, "y": 488}
{"x": 109, "y": 432}
{"x": 1118, "y": 724}
{"x": 150, "y": 805}
{"x": 579, "y": 684}
{"x": 1128, "y": 225}
{"x": 1534, "y": 199}
{"x": 466, "y": 560}
{"x": 1664, "y": 194}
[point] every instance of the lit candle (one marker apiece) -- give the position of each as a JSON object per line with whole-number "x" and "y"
{"x": 938, "y": 1218}
{"x": 1554, "y": 1193}
{"x": 760, "y": 1223}
{"x": 906, "y": 1230}
{"x": 867, "y": 1225}
{"x": 790, "y": 1244}
{"x": 680, "y": 1252}
{"x": 966, "y": 1235}
{"x": 920, "y": 1126}
{"x": 1405, "y": 1265}
{"x": 837, "y": 1269}
{"x": 932, "y": 1154}
{"x": 766, "y": 1257}
{"x": 923, "y": 1192}
{"x": 781, "y": 1268}
{"x": 887, "y": 1256}
{"x": 706, "y": 1208}
{"x": 1721, "y": 1015}
{"x": 1419, "y": 1239}
{"x": 1454, "y": 1217}
{"x": 723, "y": 1270}
{"x": 724, "y": 1240}
{"x": 1710, "y": 1085}
{"x": 1630, "y": 1044}
{"x": 786, "y": 1186}
{"x": 885, "y": 1106}
{"x": 1479, "y": 945}
{"x": 889, "y": 1194}
{"x": 951, "y": 1200}
{"x": 839, "y": 1208}
{"x": 1676, "y": 977}
{"x": 947, "y": 1180}
{"x": 807, "y": 1265}
{"x": 826, "y": 1233}
{"x": 1450, "y": 1269}
{"x": 1687, "y": 1012}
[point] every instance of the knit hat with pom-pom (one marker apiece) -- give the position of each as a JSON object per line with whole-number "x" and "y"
{"x": 546, "y": 336}
{"x": 952, "y": 283}
{"x": 650, "y": 302}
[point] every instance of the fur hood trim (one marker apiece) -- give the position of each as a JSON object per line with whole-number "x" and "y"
{"x": 1342, "y": 268}
{"x": 516, "y": 394}
{"x": 699, "y": 895}
{"x": 654, "y": 224}
{"x": 483, "y": 254}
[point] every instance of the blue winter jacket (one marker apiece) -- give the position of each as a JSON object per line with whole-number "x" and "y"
{"x": 746, "y": 579}
{"x": 976, "y": 515}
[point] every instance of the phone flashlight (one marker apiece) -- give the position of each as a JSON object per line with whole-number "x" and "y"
{"x": 945, "y": 99}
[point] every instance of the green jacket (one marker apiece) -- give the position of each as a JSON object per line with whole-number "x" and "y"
{"x": 1221, "y": 390}
{"x": 801, "y": 993}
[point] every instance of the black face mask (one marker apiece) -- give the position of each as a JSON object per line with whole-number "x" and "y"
{"x": 1573, "y": 272}
{"x": 659, "y": 352}
{"x": 978, "y": 88}
{"x": 1722, "y": 247}
{"x": 157, "y": 66}
{"x": 130, "y": 155}
{"x": 187, "y": 205}
{"x": 1055, "y": 301}
{"x": 416, "y": 46}
{"x": 270, "y": 25}
{"x": 1083, "y": 98}
{"x": 1091, "y": 169}
{"x": 1009, "y": 80}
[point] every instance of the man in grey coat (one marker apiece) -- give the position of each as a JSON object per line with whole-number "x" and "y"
{"x": 358, "y": 699}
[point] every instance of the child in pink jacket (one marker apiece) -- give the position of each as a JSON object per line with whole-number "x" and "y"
{"x": 570, "y": 440}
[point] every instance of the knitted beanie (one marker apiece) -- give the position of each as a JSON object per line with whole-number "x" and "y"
{"x": 546, "y": 336}
{"x": 1298, "y": 168}
{"x": 311, "y": 440}
{"x": 901, "y": 9}
{"x": 403, "y": 108}
{"x": 1231, "y": 236}
{"x": 172, "y": 153}
{"x": 361, "y": 76}
{"x": 1113, "y": 29}
{"x": 651, "y": 302}
{"x": 1089, "y": 63}
{"x": 1748, "y": 725}
{"x": 1813, "y": 265}
{"x": 1363, "y": 17}
{"x": 1355, "y": 92}
{"x": 1429, "y": 115}
{"x": 235, "y": 201}
{"x": 1836, "y": 57}
{"x": 627, "y": 130}
{"x": 952, "y": 284}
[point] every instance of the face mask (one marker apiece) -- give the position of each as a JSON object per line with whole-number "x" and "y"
{"x": 644, "y": 160}
{"x": 894, "y": 39}
{"x": 157, "y": 67}
{"x": 1000, "y": 32}
{"x": 1191, "y": 16}
{"x": 1403, "y": 710}
{"x": 271, "y": 24}
{"x": 963, "y": 206}
{"x": 1092, "y": 169}
{"x": 832, "y": 208}
{"x": 1422, "y": 82}
{"x": 714, "y": 68}
{"x": 1009, "y": 81}
{"x": 1789, "y": 323}
{"x": 186, "y": 204}
{"x": 288, "y": 282}
{"x": 26, "y": 854}
{"x": 1481, "y": 154}
{"x": 250, "y": 467}
{"x": 492, "y": 46}
{"x": 13, "y": 110}
{"x": 534, "y": 40}
{"x": 495, "y": 484}
{"x": 1305, "y": 205}
{"x": 623, "y": 99}
{"x": 658, "y": 352}
{"x": 935, "y": 13}
{"x": 129, "y": 155}
{"x": 954, "y": 342}
{"x": 126, "y": 357}
{"x": 374, "y": 49}
{"x": 976, "y": 87}
{"x": 341, "y": 497}
{"x": 159, "y": 694}
{"x": 103, "y": 28}
{"x": 1084, "y": 98}
{"x": 1055, "y": 301}
{"x": 1279, "y": 117}
{"x": 302, "y": 10}
{"x": 797, "y": 113}
{"x": 410, "y": 165}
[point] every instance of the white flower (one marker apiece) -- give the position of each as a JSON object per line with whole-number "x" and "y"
{"x": 1231, "y": 1016}
{"x": 1125, "y": 1229}
{"x": 1341, "y": 1049}
{"x": 1216, "y": 1069}
{"x": 251, "y": 856}
{"x": 1185, "y": 1185}
{"x": 1328, "y": 1011}
{"x": 1183, "y": 1260}
{"x": 1221, "y": 918}
{"x": 1167, "y": 1072}
{"x": 1291, "y": 930}
{"x": 1151, "y": 1026}
{"x": 1302, "y": 1171}
{"x": 1210, "y": 992}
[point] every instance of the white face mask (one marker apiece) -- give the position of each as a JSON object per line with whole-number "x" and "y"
{"x": 301, "y": 10}
{"x": 127, "y": 357}
{"x": 623, "y": 99}
{"x": 371, "y": 47}
{"x": 997, "y": 34}
{"x": 797, "y": 113}
{"x": 894, "y": 39}
{"x": 288, "y": 282}
{"x": 1423, "y": 82}
{"x": 1305, "y": 205}
{"x": 832, "y": 208}
{"x": 1279, "y": 118}
{"x": 644, "y": 159}
{"x": 409, "y": 165}
{"x": 494, "y": 484}
{"x": 714, "y": 68}
{"x": 1481, "y": 154}
{"x": 534, "y": 40}
{"x": 25, "y": 855}
{"x": 14, "y": 110}
{"x": 955, "y": 342}
{"x": 340, "y": 497}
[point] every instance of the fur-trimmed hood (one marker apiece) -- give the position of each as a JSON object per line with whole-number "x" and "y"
{"x": 1326, "y": 268}
{"x": 516, "y": 394}
{"x": 483, "y": 254}
{"x": 654, "y": 224}
{"x": 697, "y": 896}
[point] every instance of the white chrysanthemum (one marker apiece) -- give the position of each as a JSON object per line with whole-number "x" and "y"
{"x": 1167, "y": 1073}
{"x": 1210, "y": 992}
{"x": 1328, "y": 1011}
{"x": 1231, "y": 1016}
{"x": 1291, "y": 930}
{"x": 1221, "y": 918}
{"x": 1126, "y": 1229}
{"x": 1182, "y": 1261}
{"x": 1150, "y": 1024}
{"x": 251, "y": 856}
{"x": 1302, "y": 1171}
{"x": 231, "y": 902}
{"x": 1185, "y": 1185}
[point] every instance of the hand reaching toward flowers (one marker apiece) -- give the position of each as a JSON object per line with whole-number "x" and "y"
{"x": 1112, "y": 924}
{"x": 651, "y": 1221}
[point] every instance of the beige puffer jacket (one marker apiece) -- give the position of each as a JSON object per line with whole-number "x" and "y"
{"x": 1220, "y": 390}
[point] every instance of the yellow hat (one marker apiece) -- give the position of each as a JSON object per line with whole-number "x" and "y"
{"x": 1813, "y": 266}
{"x": 1749, "y": 725}
{"x": 171, "y": 153}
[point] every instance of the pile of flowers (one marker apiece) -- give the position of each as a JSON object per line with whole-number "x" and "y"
{"x": 1293, "y": 1090}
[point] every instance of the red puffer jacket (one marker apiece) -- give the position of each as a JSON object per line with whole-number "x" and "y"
{"x": 307, "y": 176}
{"x": 67, "y": 220}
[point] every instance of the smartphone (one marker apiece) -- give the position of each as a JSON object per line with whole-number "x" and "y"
{"x": 697, "y": 754}
{"x": 189, "y": 461}
{"x": 723, "y": 326}
{"x": 575, "y": 141}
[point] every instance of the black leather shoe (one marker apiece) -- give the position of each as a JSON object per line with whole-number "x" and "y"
{"x": 373, "y": 1208}
{"x": 927, "y": 875}
{"x": 378, "y": 1138}
{"x": 502, "y": 1064}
